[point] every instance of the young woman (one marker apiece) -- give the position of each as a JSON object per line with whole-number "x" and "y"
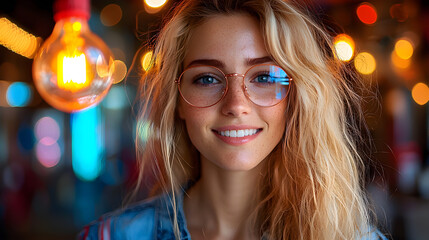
{"x": 252, "y": 131}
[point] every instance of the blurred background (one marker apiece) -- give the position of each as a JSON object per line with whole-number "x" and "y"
{"x": 60, "y": 171}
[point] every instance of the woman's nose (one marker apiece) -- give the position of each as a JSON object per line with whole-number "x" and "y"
{"x": 235, "y": 102}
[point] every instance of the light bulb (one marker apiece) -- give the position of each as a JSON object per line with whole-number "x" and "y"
{"x": 73, "y": 69}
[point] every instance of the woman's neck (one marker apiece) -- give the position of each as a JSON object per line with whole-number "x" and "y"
{"x": 220, "y": 203}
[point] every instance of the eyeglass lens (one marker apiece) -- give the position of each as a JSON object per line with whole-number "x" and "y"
{"x": 204, "y": 86}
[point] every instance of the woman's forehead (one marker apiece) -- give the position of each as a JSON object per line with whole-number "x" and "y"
{"x": 228, "y": 38}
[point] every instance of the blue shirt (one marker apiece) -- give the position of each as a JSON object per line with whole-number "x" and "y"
{"x": 149, "y": 219}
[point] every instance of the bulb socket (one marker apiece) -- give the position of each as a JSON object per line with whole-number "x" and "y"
{"x": 71, "y": 8}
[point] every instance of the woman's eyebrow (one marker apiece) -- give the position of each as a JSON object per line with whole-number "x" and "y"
{"x": 255, "y": 61}
{"x": 221, "y": 65}
{"x": 210, "y": 62}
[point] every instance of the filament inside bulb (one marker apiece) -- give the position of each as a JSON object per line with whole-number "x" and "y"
{"x": 72, "y": 64}
{"x": 72, "y": 73}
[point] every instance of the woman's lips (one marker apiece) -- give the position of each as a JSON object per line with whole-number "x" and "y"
{"x": 237, "y": 136}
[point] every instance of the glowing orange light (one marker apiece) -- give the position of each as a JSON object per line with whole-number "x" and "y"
{"x": 344, "y": 47}
{"x": 399, "y": 62}
{"x": 365, "y": 63}
{"x": 404, "y": 49}
{"x": 72, "y": 71}
{"x": 18, "y": 40}
{"x": 420, "y": 93}
{"x": 155, "y": 3}
{"x": 147, "y": 61}
{"x": 366, "y": 13}
{"x": 120, "y": 71}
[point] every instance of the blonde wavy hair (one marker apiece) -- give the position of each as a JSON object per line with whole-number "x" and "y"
{"x": 311, "y": 188}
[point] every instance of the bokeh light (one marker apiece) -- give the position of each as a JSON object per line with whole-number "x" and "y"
{"x": 344, "y": 47}
{"x": 18, "y": 40}
{"x": 18, "y": 94}
{"x": 120, "y": 71}
{"x": 47, "y": 127}
{"x": 111, "y": 15}
{"x": 399, "y": 62}
{"x": 420, "y": 93}
{"x": 367, "y": 13}
{"x": 398, "y": 12}
{"x": 48, "y": 152}
{"x": 87, "y": 145}
{"x": 155, "y": 3}
{"x": 404, "y": 49}
{"x": 143, "y": 130}
{"x": 147, "y": 60}
{"x": 365, "y": 63}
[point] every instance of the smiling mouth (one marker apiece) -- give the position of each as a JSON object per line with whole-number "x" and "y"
{"x": 238, "y": 133}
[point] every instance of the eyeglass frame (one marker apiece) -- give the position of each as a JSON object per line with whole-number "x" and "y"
{"x": 225, "y": 91}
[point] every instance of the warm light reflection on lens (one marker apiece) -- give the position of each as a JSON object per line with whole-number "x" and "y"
{"x": 399, "y": 62}
{"x": 365, "y": 63}
{"x": 18, "y": 40}
{"x": 367, "y": 13}
{"x": 147, "y": 61}
{"x": 404, "y": 49}
{"x": 420, "y": 93}
{"x": 344, "y": 47}
{"x": 155, "y": 3}
{"x": 111, "y": 15}
{"x": 120, "y": 71}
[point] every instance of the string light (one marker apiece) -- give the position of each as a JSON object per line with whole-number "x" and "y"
{"x": 17, "y": 40}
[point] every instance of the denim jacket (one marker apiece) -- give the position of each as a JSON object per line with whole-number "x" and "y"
{"x": 150, "y": 220}
{"x": 146, "y": 220}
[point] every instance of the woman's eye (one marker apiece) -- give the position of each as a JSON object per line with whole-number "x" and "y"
{"x": 205, "y": 80}
{"x": 263, "y": 78}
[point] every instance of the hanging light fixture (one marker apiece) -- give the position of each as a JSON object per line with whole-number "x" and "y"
{"x": 73, "y": 69}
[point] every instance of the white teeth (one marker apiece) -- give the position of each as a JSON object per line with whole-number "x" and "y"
{"x": 238, "y": 133}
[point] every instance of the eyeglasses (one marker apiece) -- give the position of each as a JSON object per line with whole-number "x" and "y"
{"x": 203, "y": 86}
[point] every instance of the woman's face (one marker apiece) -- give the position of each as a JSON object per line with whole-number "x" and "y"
{"x": 233, "y": 43}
